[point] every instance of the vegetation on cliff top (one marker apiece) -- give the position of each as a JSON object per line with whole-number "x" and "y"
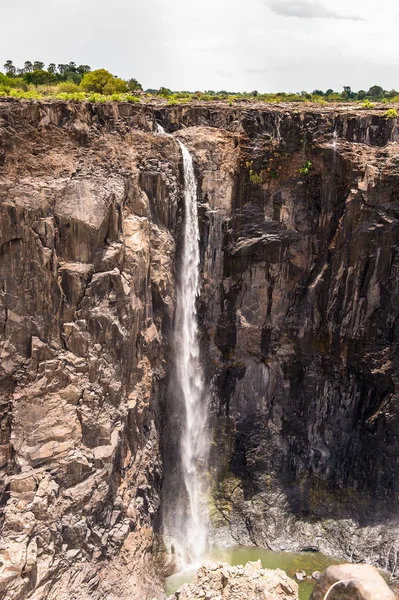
{"x": 79, "y": 82}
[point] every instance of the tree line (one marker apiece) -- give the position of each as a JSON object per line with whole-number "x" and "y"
{"x": 81, "y": 75}
{"x": 73, "y": 78}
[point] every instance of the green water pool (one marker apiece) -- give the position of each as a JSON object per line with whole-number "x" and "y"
{"x": 287, "y": 561}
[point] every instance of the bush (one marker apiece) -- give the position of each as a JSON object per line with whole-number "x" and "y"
{"x": 115, "y": 86}
{"x": 25, "y": 95}
{"x": 116, "y": 98}
{"x": 102, "y": 81}
{"x": 133, "y": 85}
{"x": 367, "y": 104}
{"x": 76, "y": 96}
{"x": 132, "y": 99}
{"x": 163, "y": 91}
{"x": 39, "y": 77}
{"x": 6, "y": 83}
{"x": 96, "y": 98}
{"x": 391, "y": 113}
{"x": 68, "y": 87}
{"x": 307, "y": 165}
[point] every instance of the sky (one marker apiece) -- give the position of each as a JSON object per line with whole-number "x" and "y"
{"x": 234, "y": 45}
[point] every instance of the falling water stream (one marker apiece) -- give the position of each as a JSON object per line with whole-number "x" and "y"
{"x": 189, "y": 535}
{"x": 194, "y": 442}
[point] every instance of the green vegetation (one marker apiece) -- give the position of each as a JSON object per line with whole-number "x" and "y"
{"x": 367, "y": 104}
{"x": 102, "y": 82}
{"x": 65, "y": 82}
{"x": 307, "y": 165}
{"x": 391, "y": 114}
{"x": 78, "y": 82}
{"x": 254, "y": 177}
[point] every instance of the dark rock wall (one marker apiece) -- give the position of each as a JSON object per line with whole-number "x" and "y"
{"x": 302, "y": 331}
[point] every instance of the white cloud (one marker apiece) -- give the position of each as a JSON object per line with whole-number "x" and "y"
{"x": 307, "y": 9}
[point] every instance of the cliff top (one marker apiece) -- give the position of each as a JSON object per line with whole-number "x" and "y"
{"x": 389, "y": 110}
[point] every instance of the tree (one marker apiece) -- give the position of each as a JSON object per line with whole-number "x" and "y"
{"x": 82, "y": 69}
{"x": 52, "y": 68}
{"x": 347, "y": 93}
{"x": 163, "y": 91}
{"x": 376, "y": 91}
{"x": 28, "y": 67}
{"x": 38, "y": 65}
{"x": 102, "y": 82}
{"x": 115, "y": 86}
{"x": 133, "y": 85}
{"x": 318, "y": 93}
{"x": 9, "y": 68}
{"x": 361, "y": 94}
{"x": 329, "y": 92}
{"x": 39, "y": 77}
{"x": 62, "y": 69}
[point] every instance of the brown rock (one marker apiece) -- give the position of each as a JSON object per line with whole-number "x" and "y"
{"x": 223, "y": 582}
{"x": 351, "y": 582}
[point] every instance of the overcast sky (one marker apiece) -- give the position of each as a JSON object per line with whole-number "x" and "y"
{"x": 238, "y": 45}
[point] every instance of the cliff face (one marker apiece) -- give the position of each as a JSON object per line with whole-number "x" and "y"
{"x": 299, "y": 334}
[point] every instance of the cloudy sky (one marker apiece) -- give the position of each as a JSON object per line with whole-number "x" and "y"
{"x": 238, "y": 45}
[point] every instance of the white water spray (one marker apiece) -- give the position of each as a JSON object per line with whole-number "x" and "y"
{"x": 194, "y": 443}
{"x": 189, "y": 530}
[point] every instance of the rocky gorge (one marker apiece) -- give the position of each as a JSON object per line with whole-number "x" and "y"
{"x": 298, "y": 314}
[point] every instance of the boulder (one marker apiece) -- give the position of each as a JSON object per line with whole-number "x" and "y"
{"x": 220, "y": 581}
{"x": 351, "y": 582}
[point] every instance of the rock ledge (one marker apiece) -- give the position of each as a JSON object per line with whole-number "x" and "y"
{"x": 220, "y": 581}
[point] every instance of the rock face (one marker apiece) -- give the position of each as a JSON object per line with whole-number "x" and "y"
{"x": 358, "y": 582}
{"x": 222, "y": 582}
{"x": 88, "y": 229}
{"x": 299, "y": 246}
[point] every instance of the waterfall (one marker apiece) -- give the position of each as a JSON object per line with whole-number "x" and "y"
{"x": 188, "y": 532}
{"x": 194, "y": 441}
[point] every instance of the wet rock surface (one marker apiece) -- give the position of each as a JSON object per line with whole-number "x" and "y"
{"x": 219, "y": 581}
{"x": 299, "y": 325}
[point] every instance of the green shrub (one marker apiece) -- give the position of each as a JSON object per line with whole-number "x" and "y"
{"x": 367, "y": 104}
{"x": 39, "y": 77}
{"x": 116, "y": 98}
{"x": 165, "y": 92}
{"x": 133, "y": 85}
{"x": 132, "y": 99}
{"x": 25, "y": 95}
{"x": 115, "y": 86}
{"x": 96, "y": 98}
{"x": 76, "y": 96}
{"x": 307, "y": 165}
{"x": 391, "y": 113}
{"x": 68, "y": 87}
{"x": 102, "y": 81}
